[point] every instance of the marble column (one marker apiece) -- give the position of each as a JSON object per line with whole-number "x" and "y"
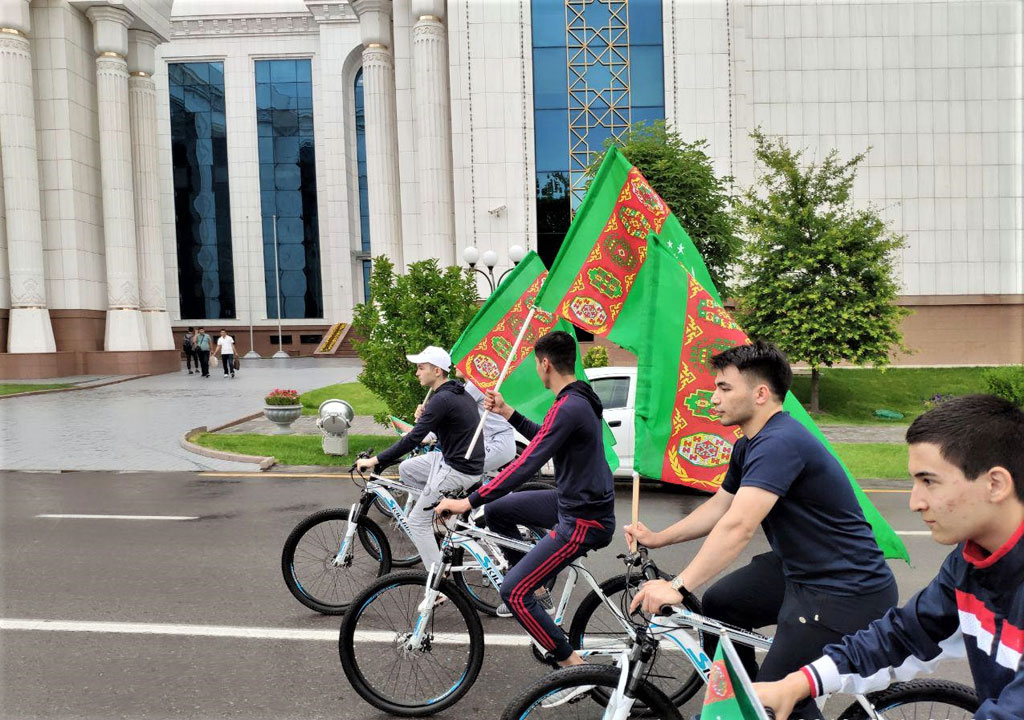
{"x": 381, "y": 129}
{"x": 433, "y": 131}
{"x": 29, "y": 329}
{"x": 145, "y": 166}
{"x": 125, "y": 329}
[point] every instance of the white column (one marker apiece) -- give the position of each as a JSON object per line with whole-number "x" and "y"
{"x": 433, "y": 131}
{"x": 29, "y": 330}
{"x": 381, "y": 129}
{"x": 125, "y": 329}
{"x": 145, "y": 165}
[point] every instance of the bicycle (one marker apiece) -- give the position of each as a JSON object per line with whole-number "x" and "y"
{"x": 429, "y": 625}
{"x": 624, "y": 690}
{"x": 323, "y": 564}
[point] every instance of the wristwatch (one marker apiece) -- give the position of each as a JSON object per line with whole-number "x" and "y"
{"x": 677, "y": 585}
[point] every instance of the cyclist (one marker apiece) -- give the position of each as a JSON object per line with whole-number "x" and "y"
{"x": 825, "y": 577}
{"x": 451, "y": 413}
{"x": 581, "y": 508}
{"x": 967, "y": 461}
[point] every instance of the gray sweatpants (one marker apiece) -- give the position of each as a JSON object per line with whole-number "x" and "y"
{"x": 499, "y": 451}
{"x": 434, "y": 475}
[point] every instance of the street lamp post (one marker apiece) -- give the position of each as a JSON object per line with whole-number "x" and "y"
{"x": 490, "y": 258}
{"x": 252, "y": 354}
{"x": 277, "y": 290}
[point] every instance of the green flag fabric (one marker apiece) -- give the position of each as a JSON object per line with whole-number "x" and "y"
{"x": 730, "y": 694}
{"x": 678, "y": 438}
{"x": 481, "y": 350}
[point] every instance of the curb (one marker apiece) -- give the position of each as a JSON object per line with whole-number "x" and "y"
{"x": 72, "y": 389}
{"x": 265, "y": 463}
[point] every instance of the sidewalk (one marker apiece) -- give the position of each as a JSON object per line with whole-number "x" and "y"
{"x": 136, "y": 425}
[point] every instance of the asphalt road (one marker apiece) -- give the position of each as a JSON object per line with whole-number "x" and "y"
{"x": 222, "y": 569}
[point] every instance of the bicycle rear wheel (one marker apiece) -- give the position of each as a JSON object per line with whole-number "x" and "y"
{"x": 391, "y": 676}
{"x": 919, "y": 700}
{"x": 308, "y": 560}
{"x": 534, "y": 701}
{"x": 595, "y": 626}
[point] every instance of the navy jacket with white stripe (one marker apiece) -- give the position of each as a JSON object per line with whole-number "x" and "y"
{"x": 973, "y": 607}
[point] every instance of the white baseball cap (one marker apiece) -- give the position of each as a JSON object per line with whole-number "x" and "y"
{"x": 433, "y": 355}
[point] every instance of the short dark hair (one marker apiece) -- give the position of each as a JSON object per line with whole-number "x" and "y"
{"x": 559, "y": 348}
{"x": 189, "y": 330}
{"x": 975, "y": 433}
{"x": 762, "y": 360}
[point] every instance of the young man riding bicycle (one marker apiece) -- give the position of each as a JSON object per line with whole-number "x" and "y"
{"x": 967, "y": 460}
{"x": 451, "y": 414}
{"x": 581, "y": 508}
{"x": 825, "y": 577}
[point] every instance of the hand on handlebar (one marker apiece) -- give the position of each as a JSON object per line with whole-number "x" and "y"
{"x": 781, "y": 696}
{"x": 654, "y": 594}
{"x": 366, "y": 464}
{"x": 452, "y": 505}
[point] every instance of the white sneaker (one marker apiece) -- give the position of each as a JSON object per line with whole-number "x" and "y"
{"x": 568, "y": 695}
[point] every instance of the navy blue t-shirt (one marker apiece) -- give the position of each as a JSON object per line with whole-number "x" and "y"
{"x": 817, "y": 528}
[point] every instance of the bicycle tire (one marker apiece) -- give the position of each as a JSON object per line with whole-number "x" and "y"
{"x": 667, "y": 680}
{"x": 371, "y": 538}
{"x": 529, "y": 703}
{"x": 925, "y": 691}
{"x": 355, "y": 669}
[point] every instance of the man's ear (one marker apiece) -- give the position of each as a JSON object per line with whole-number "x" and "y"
{"x": 1000, "y": 484}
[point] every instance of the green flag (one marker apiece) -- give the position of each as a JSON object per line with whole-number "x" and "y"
{"x": 481, "y": 350}
{"x": 595, "y": 281}
{"x": 730, "y": 694}
{"x": 678, "y": 438}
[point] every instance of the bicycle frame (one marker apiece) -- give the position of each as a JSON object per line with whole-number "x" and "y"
{"x": 380, "y": 487}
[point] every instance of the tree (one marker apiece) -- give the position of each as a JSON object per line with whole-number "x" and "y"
{"x": 681, "y": 173}
{"x": 426, "y": 306}
{"x": 817, "y": 273}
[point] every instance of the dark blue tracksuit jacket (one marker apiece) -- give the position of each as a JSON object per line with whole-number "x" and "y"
{"x": 973, "y": 607}
{"x": 572, "y": 434}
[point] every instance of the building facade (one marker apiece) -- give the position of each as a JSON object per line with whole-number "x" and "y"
{"x": 233, "y": 163}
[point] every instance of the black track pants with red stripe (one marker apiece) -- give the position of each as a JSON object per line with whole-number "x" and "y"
{"x": 571, "y": 538}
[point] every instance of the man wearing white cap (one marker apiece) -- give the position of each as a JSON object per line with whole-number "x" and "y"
{"x": 451, "y": 414}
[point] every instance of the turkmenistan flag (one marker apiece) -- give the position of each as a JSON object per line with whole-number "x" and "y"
{"x": 594, "y": 280}
{"x": 730, "y": 694}
{"x": 678, "y": 439}
{"x": 481, "y": 350}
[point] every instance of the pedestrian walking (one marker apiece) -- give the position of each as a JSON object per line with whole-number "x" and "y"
{"x": 203, "y": 345}
{"x": 188, "y": 346}
{"x": 226, "y": 349}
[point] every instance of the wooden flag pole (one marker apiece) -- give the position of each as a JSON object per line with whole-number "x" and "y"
{"x": 636, "y": 507}
{"x": 501, "y": 378}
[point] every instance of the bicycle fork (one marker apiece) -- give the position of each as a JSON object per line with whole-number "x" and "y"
{"x": 344, "y": 556}
{"x": 425, "y": 610}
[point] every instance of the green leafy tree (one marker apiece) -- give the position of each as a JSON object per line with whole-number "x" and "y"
{"x": 817, "y": 273}
{"x": 682, "y": 174}
{"x": 426, "y": 306}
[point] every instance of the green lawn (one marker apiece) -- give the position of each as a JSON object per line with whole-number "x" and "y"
{"x": 355, "y": 394}
{"x": 850, "y": 397}
{"x": 290, "y": 449}
{"x": 885, "y": 461}
{"x": 14, "y": 388}
{"x": 865, "y": 460}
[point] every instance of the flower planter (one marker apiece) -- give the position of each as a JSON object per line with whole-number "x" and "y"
{"x": 282, "y": 416}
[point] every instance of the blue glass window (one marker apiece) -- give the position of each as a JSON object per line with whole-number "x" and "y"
{"x": 202, "y": 211}
{"x": 284, "y": 118}
{"x": 364, "y": 192}
{"x": 598, "y": 67}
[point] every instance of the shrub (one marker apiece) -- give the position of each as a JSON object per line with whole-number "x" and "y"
{"x": 596, "y": 357}
{"x": 1006, "y": 382}
{"x": 282, "y": 397}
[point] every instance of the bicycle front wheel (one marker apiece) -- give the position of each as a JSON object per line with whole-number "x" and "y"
{"x": 600, "y": 624}
{"x": 377, "y": 657}
{"x": 541, "y": 700}
{"x": 309, "y": 562}
{"x": 919, "y": 700}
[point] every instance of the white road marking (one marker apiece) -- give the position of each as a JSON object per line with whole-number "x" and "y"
{"x": 251, "y": 633}
{"x": 913, "y": 532}
{"x": 120, "y": 517}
